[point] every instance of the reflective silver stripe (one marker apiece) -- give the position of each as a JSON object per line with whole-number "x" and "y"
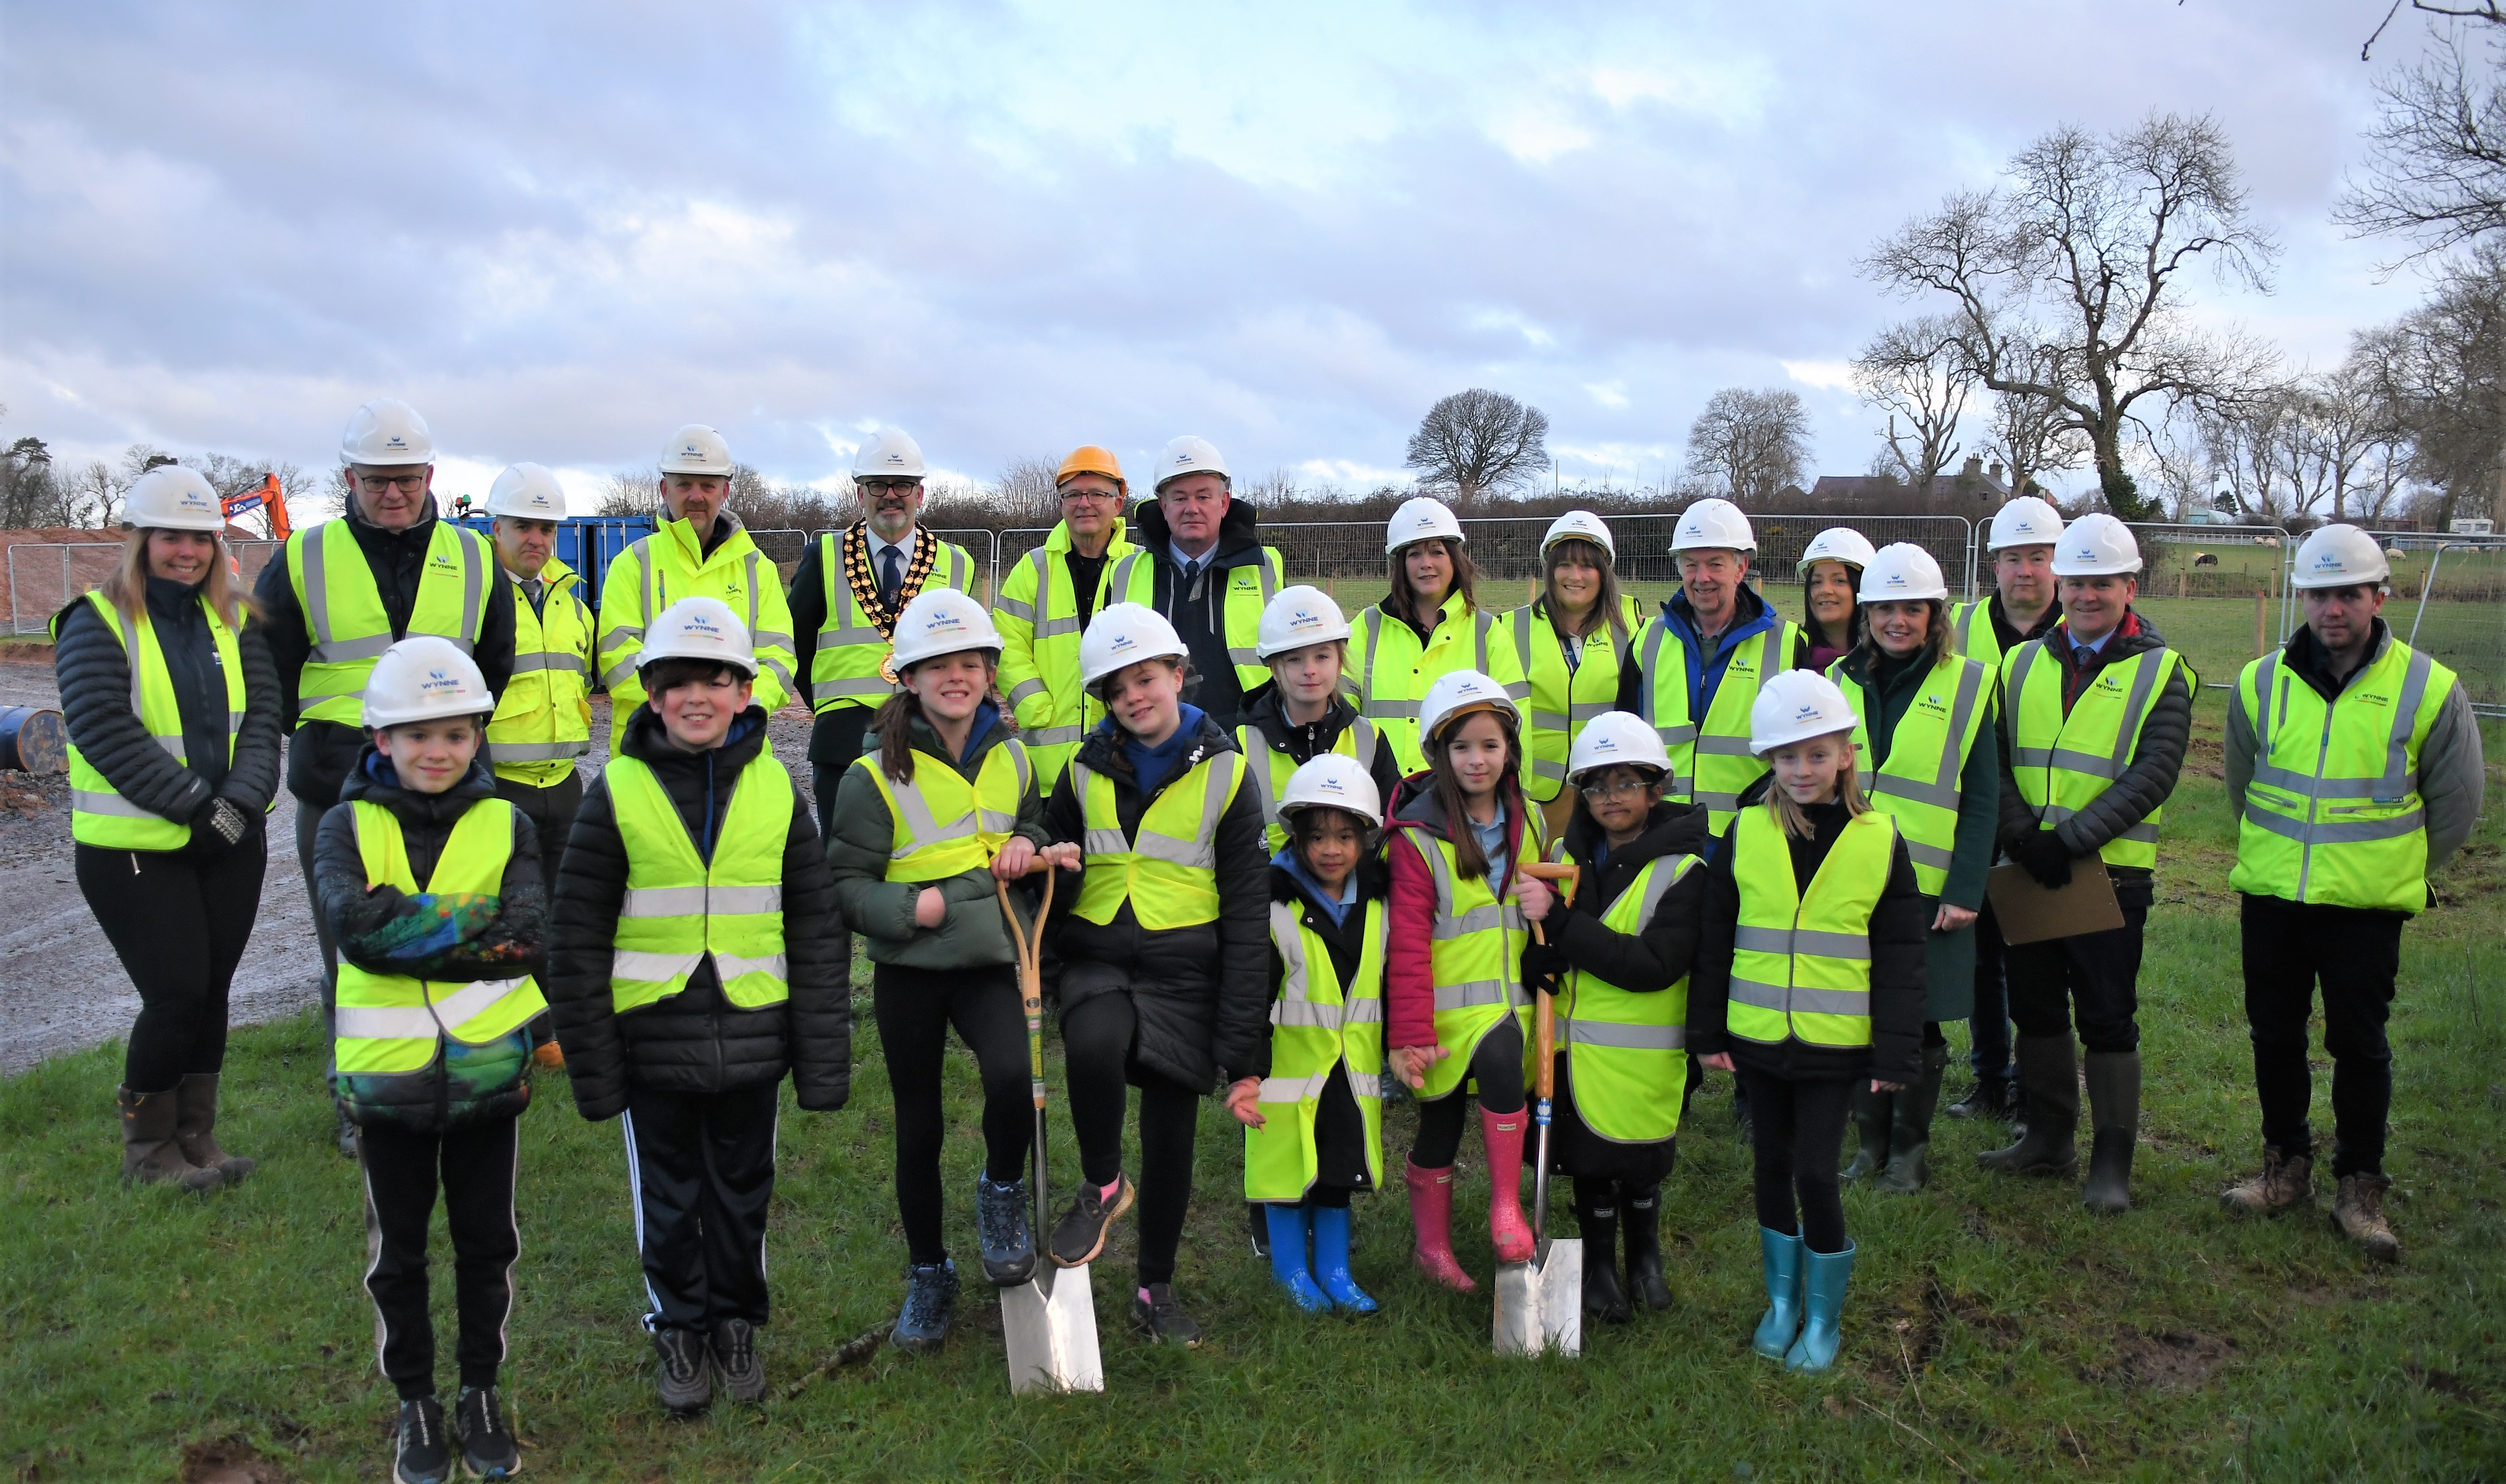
{"x": 866, "y": 685}
{"x": 1367, "y": 1012}
{"x": 1714, "y": 746}
{"x": 1257, "y": 771}
{"x": 920, "y": 828}
{"x": 698, "y": 901}
{"x": 1476, "y": 920}
{"x": 618, "y": 673}
{"x": 1942, "y": 790}
{"x": 380, "y": 1022}
{"x": 1476, "y": 992}
{"x": 315, "y": 568}
{"x": 635, "y": 964}
{"x": 1052, "y": 736}
{"x": 524, "y": 664}
{"x": 1014, "y": 608}
{"x": 1305, "y": 1013}
{"x": 1105, "y": 843}
{"x": 346, "y": 651}
{"x": 1364, "y": 731}
{"x": 1808, "y": 941}
{"x": 1758, "y": 993}
{"x": 1292, "y": 1090}
{"x": 1799, "y": 1000}
{"x": 1727, "y": 803}
{"x": 88, "y": 802}
{"x": 1050, "y": 627}
{"x": 731, "y": 966}
{"x": 846, "y": 638}
{"x": 2335, "y": 833}
{"x": 1031, "y": 685}
{"x": 1365, "y": 1084}
{"x": 1648, "y": 671}
{"x": 474, "y": 586}
{"x": 536, "y": 752}
{"x": 628, "y": 631}
{"x": 1549, "y": 769}
{"x": 1921, "y": 853}
{"x": 1616, "y": 1033}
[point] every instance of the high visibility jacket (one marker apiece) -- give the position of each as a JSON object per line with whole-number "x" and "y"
{"x": 1627, "y": 1053}
{"x": 680, "y": 908}
{"x": 2333, "y": 813}
{"x": 1317, "y": 1024}
{"x": 2063, "y": 762}
{"x": 1801, "y": 962}
{"x": 1474, "y": 952}
{"x": 844, "y": 668}
{"x": 390, "y": 1023}
{"x": 1269, "y": 769}
{"x": 1562, "y": 700}
{"x": 343, "y": 610}
{"x": 1710, "y": 762}
{"x": 1389, "y": 670}
{"x": 656, "y": 571}
{"x": 1249, "y": 590}
{"x": 99, "y": 816}
{"x": 1038, "y": 616}
{"x": 1927, "y": 754}
{"x": 945, "y": 826}
{"x": 1170, "y": 871}
{"x": 1972, "y": 631}
{"x": 542, "y": 720}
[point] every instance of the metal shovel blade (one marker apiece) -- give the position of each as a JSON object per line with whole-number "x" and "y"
{"x": 1518, "y": 1330}
{"x": 1540, "y": 1304}
{"x": 1049, "y": 1325}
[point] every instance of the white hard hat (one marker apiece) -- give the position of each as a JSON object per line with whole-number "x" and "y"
{"x": 2339, "y": 556}
{"x": 1580, "y": 525}
{"x": 942, "y": 620}
{"x": 890, "y": 453}
{"x": 2026, "y": 522}
{"x": 696, "y": 449}
{"x": 1795, "y": 707}
{"x": 384, "y": 434}
{"x": 1331, "y": 781}
{"x": 1298, "y": 617}
{"x": 1125, "y": 634}
{"x": 699, "y": 628}
{"x": 1616, "y": 739}
{"x": 1463, "y": 691}
{"x": 2095, "y": 544}
{"x": 1902, "y": 571}
{"x": 1713, "y": 525}
{"x": 173, "y": 498}
{"x": 527, "y": 492}
{"x": 1421, "y": 519}
{"x": 424, "y": 678}
{"x": 1190, "y": 455}
{"x": 1836, "y": 544}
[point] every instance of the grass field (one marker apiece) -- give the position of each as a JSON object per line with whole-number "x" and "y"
{"x": 1996, "y": 1330}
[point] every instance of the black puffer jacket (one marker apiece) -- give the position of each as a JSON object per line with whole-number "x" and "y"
{"x": 2144, "y": 785}
{"x": 1201, "y": 993}
{"x": 1198, "y": 612}
{"x": 93, "y": 674}
{"x": 1659, "y": 955}
{"x": 697, "y": 1041}
{"x": 1264, "y": 709}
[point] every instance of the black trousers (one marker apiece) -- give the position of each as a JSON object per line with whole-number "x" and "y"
{"x": 2094, "y": 975}
{"x": 703, "y": 1171}
{"x": 551, "y": 811}
{"x": 1096, "y": 1046}
{"x": 1496, "y": 1065}
{"x": 915, "y": 1006}
{"x": 835, "y": 741}
{"x": 475, "y": 1167}
{"x": 309, "y": 824}
{"x": 1795, "y": 1128}
{"x": 1988, "y": 1027}
{"x": 2355, "y": 955}
{"x": 179, "y": 920}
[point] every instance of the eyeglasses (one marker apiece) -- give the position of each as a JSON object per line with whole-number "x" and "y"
{"x": 889, "y": 486}
{"x": 405, "y": 483}
{"x": 1600, "y": 793}
{"x": 1091, "y": 494}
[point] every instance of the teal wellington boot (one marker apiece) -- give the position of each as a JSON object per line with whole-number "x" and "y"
{"x": 1288, "y": 1259}
{"x": 1782, "y": 1257}
{"x": 1824, "y": 1290}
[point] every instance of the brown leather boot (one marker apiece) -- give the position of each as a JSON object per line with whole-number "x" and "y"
{"x": 2287, "y": 1181}
{"x": 150, "y": 1154}
{"x": 2358, "y": 1213}
{"x": 196, "y": 1127}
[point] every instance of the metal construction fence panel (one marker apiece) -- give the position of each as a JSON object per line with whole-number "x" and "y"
{"x": 45, "y": 576}
{"x": 2460, "y": 618}
{"x": 2218, "y": 594}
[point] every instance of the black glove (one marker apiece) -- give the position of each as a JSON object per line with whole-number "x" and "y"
{"x": 228, "y": 822}
{"x": 1544, "y": 965}
{"x": 2042, "y": 855}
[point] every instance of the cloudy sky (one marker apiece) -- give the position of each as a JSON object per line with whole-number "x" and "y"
{"x": 563, "y": 229}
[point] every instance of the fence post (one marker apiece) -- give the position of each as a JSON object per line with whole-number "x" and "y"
{"x": 2262, "y": 623}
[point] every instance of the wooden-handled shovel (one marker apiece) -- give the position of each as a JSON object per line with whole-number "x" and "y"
{"x": 1540, "y": 1303}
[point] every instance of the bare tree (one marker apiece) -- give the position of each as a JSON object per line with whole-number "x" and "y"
{"x": 2437, "y": 151}
{"x": 1916, "y": 370}
{"x": 632, "y": 492}
{"x": 1748, "y": 445}
{"x": 1477, "y": 442}
{"x": 2029, "y": 434}
{"x": 94, "y": 495}
{"x": 1026, "y": 494}
{"x": 2441, "y": 372}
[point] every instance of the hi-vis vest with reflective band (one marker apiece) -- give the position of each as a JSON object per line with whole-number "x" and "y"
{"x": 1389, "y": 670}
{"x": 1248, "y": 592}
{"x": 343, "y": 610}
{"x": 1316, "y": 1023}
{"x": 2333, "y": 813}
{"x": 679, "y": 908}
{"x": 945, "y": 826}
{"x": 542, "y": 720}
{"x": 657, "y": 570}
{"x": 1169, "y": 873}
{"x": 1038, "y": 616}
{"x": 1270, "y": 769}
{"x": 843, "y": 669}
{"x": 1800, "y": 964}
{"x": 1972, "y": 631}
{"x": 1627, "y": 1053}
{"x": 1926, "y": 756}
{"x": 2064, "y": 762}
{"x": 1562, "y": 700}
{"x": 390, "y": 1023}
{"x": 1710, "y": 765}
{"x": 1474, "y": 952}
{"x": 99, "y": 816}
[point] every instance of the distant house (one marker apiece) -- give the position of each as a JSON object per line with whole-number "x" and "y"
{"x": 1976, "y": 486}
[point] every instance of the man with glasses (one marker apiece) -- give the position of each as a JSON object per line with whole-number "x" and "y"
{"x": 1047, "y": 600}
{"x": 1200, "y": 562}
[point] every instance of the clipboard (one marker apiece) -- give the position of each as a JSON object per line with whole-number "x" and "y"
{"x": 2031, "y": 913}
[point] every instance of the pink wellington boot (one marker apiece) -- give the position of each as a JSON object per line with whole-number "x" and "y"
{"x": 1431, "y": 1214}
{"x": 1507, "y": 1228}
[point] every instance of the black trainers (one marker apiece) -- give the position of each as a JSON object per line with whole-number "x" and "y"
{"x": 487, "y": 1446}
{"x": 420, "y": 1452}
{"x": 684, "y": 1379}
{"x": 735, "y": 1356}
{"x": 1000, "y": 1222}
{"x": 1080, "y": 1235}
{"x": 930, "y": 1297}
{"x": 1161, "y": 1317}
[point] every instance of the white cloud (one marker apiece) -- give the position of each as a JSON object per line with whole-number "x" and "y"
{"x": 1826, "y": 375}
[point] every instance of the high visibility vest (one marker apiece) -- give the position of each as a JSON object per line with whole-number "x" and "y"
{"x": 1971, "y": 632}
{"x": 1389, "y": 670}
{"x": 1927, "y": 756}
{"x": 542, "y": 720}
{"x": 1627, "y": 1053}
{"x": 1710, "y": 764}
{"x": 343, "y": 610}
{"x": 2062, "y": 764}
{"x": 1038, "y": 616}
{"x": 2333, "y": 813}
{"x": 391, "y": 1023}
{"x": 680, "y": 908}
{"x": 1474, "y": 952}
{"x": 843, "y": 669}
{"x": 1316, "y": 1025}
{"x": 1269, "y": 769}
{"x": 945, "y": 826}
{"x": 1562, "y": 700}
{"x": 99, "y": 816}
{"x": 1169, "y": 872}
{"x": 657, "y": 570}
{"x": 1248, "y": 591}
{"x": 1800, "y": 963}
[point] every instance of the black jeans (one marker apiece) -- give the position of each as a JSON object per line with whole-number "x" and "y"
{"x": 1496, "y": 1065}
{"x": 309, "y": 824}
{"x": 2095, "y": 975}
{"x": 915, "y": 1006}
{"x": 475, "y": 1167}
{"x": 1097, "y": 1043}
{"x": 835, "y": 741}
{"x": 2355, "y": 955}
{"x": 1988, "y": 1027}
{"x": 179, "y": 920}
{"x": 703, "y": 1171}
{"x": 551, "y": 811}
{"x": 1795, "y": 1128}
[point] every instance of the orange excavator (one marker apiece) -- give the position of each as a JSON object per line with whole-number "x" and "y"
{"x": 263, "y": 496}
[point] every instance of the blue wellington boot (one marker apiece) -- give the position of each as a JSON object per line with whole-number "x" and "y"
{"x": 1288, "y": 1259}
{"x": 1331, "y": 1259}
{"x": 1782, "y": 1257}
{"x": 1824, "y": 1286}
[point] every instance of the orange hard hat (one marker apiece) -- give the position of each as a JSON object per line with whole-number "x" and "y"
{"x": 1091, "y": 459}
